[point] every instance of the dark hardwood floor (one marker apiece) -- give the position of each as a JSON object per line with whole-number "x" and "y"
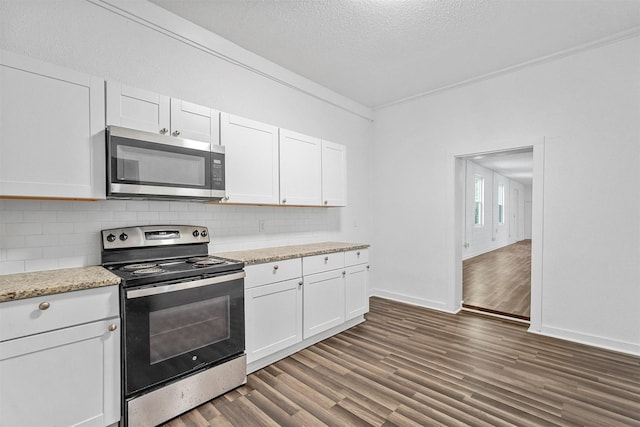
{"x": 499, "y": 281}
{"x": 410, "y": 366}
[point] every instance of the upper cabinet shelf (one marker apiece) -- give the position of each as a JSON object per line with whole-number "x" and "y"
{"x": 52, "y": 140}
{"x": 52, "y": 133}
{"x": 251, "y": 155}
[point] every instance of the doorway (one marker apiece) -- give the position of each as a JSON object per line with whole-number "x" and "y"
{"x": 496, "y": 250}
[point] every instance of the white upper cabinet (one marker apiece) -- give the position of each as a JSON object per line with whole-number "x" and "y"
{"x": 300, "y": 169}
{"x": 137, "y": 108}
{"x": 144, "y": 110}
{"x": 251, "y": 156}
{"x": 51, "y": 131}
{"x": 195, "y": 122}
{"x": 334, "y": 174}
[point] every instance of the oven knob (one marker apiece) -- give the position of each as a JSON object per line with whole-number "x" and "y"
{"x": 195, "y": 233}
{"x": 111, "y": 238}
{"x": 204, "y": 233}
{"x": 123, "y": 237}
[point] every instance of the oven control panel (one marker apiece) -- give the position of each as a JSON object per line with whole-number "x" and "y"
{"x": 153, "y": 235}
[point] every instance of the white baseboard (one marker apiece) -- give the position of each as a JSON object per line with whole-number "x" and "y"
{"x": 420, "y": 302}
{"x": 272, "y": 358}
{"x": 591, "y": 340}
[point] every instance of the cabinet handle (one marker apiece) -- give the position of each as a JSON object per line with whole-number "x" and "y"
{"x": 226, "y": 198}
{"x": 112, "y": 327}
{"x": 326, "y": 259}
{"x": 326, "y": 202}
{"x": 358, "y": 253}
{"x": 368, "y": 267}
{"x": 275, "y": 267}
{"x": 164, "y": 131}
{"x": 344, "y": 273}
{"x": 44, "y": 306}
{"x": 284, "y": 200}
{"x": 300, "y": 283}
{"x": 176, "y": 133}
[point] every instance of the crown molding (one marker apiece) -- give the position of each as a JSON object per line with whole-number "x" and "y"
{"x": 614, "y": 38}
{"x": 171, "y": 25}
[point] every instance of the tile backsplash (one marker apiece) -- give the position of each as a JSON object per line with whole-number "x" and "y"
{"x": 42, "y": 235}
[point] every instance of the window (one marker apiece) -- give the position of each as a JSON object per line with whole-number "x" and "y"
{"x": 478, "y": 213}
{"x": 501, "y": 204}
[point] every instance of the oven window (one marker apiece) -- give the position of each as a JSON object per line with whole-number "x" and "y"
{"x": 181, "y": 329}
{"x": 135, "y": 164}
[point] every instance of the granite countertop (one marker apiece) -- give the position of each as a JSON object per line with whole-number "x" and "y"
{"x": 259, "y": 256}
{"x": 28, "y": 285}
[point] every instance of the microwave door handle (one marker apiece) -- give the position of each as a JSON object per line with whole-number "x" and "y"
{"x": 157, "y": 290}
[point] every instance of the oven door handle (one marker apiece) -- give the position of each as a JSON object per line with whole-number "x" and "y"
{"x": 156, "y": 290}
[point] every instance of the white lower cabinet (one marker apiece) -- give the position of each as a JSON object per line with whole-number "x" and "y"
{"x": 356, "y": 283}
{"x": 286, "y": 311}
{"x": 356, "y": 291}
{"x": 62, "y": 377}
{"x": 274, "y": 318}
{"x": 323, "y": 302}
{"x": 273, "y": 307}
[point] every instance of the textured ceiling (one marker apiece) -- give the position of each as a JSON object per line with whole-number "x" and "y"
{"x": 380, "y": 51}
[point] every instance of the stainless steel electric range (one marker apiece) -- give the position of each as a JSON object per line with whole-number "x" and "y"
{"x": 182, "y": 313}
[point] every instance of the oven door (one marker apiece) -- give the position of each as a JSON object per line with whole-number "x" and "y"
{"x": 174, "y": 328}
{"x": 144, "y": 164}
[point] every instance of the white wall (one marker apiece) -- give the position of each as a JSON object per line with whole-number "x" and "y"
{"x": 586, "y": 106}
{"x": 492, "y": 235}
{"x": 86, "y": 37}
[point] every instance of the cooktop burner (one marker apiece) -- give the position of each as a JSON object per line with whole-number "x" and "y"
{"x": 143, "y": 266}
{"x": 150, "y": 270}
{"x": 160, "y": 253}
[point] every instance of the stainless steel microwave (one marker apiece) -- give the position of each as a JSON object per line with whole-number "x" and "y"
{"x": 144, "y": 165}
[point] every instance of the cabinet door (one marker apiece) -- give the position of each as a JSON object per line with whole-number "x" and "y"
{"x": 300, "y": 169}
{"x": 52, "y": 140}
{"x": 356, "y": 291}
{"x": 135, "y": 108}
{"x": 251, "y": 156}
{"x": 195, "y": 122}
{"x": 334, "y": 174}
{"x": 323, "y": 301}
{"x": 66, "y": 377}
{"x": 274, "y": 318}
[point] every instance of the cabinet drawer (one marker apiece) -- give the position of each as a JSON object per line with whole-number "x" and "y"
{"x": 358, "y": 256}
{"x": 27, "y": 316}
{"x": 320, "y": 263}
{"x": 271, "y": 272}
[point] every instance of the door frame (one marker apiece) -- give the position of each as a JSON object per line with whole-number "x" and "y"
{"x": 456, "y": 221}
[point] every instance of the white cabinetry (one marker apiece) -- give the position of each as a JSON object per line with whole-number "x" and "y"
{"x": 251, "y": 155}
{"x": 149, "y": 111}
{"x": 323, "y": 292}
{"x": 323, "y": 302}
{"x": 60, "y": 360}
{"x": 273, "y": 306}
{"x": 356, "y": 283}
{"x": 300, "y": 169}
{"x": 287, "y": 311}
{"x": 334, "y": 174}
{"x": 52, "y": 131}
